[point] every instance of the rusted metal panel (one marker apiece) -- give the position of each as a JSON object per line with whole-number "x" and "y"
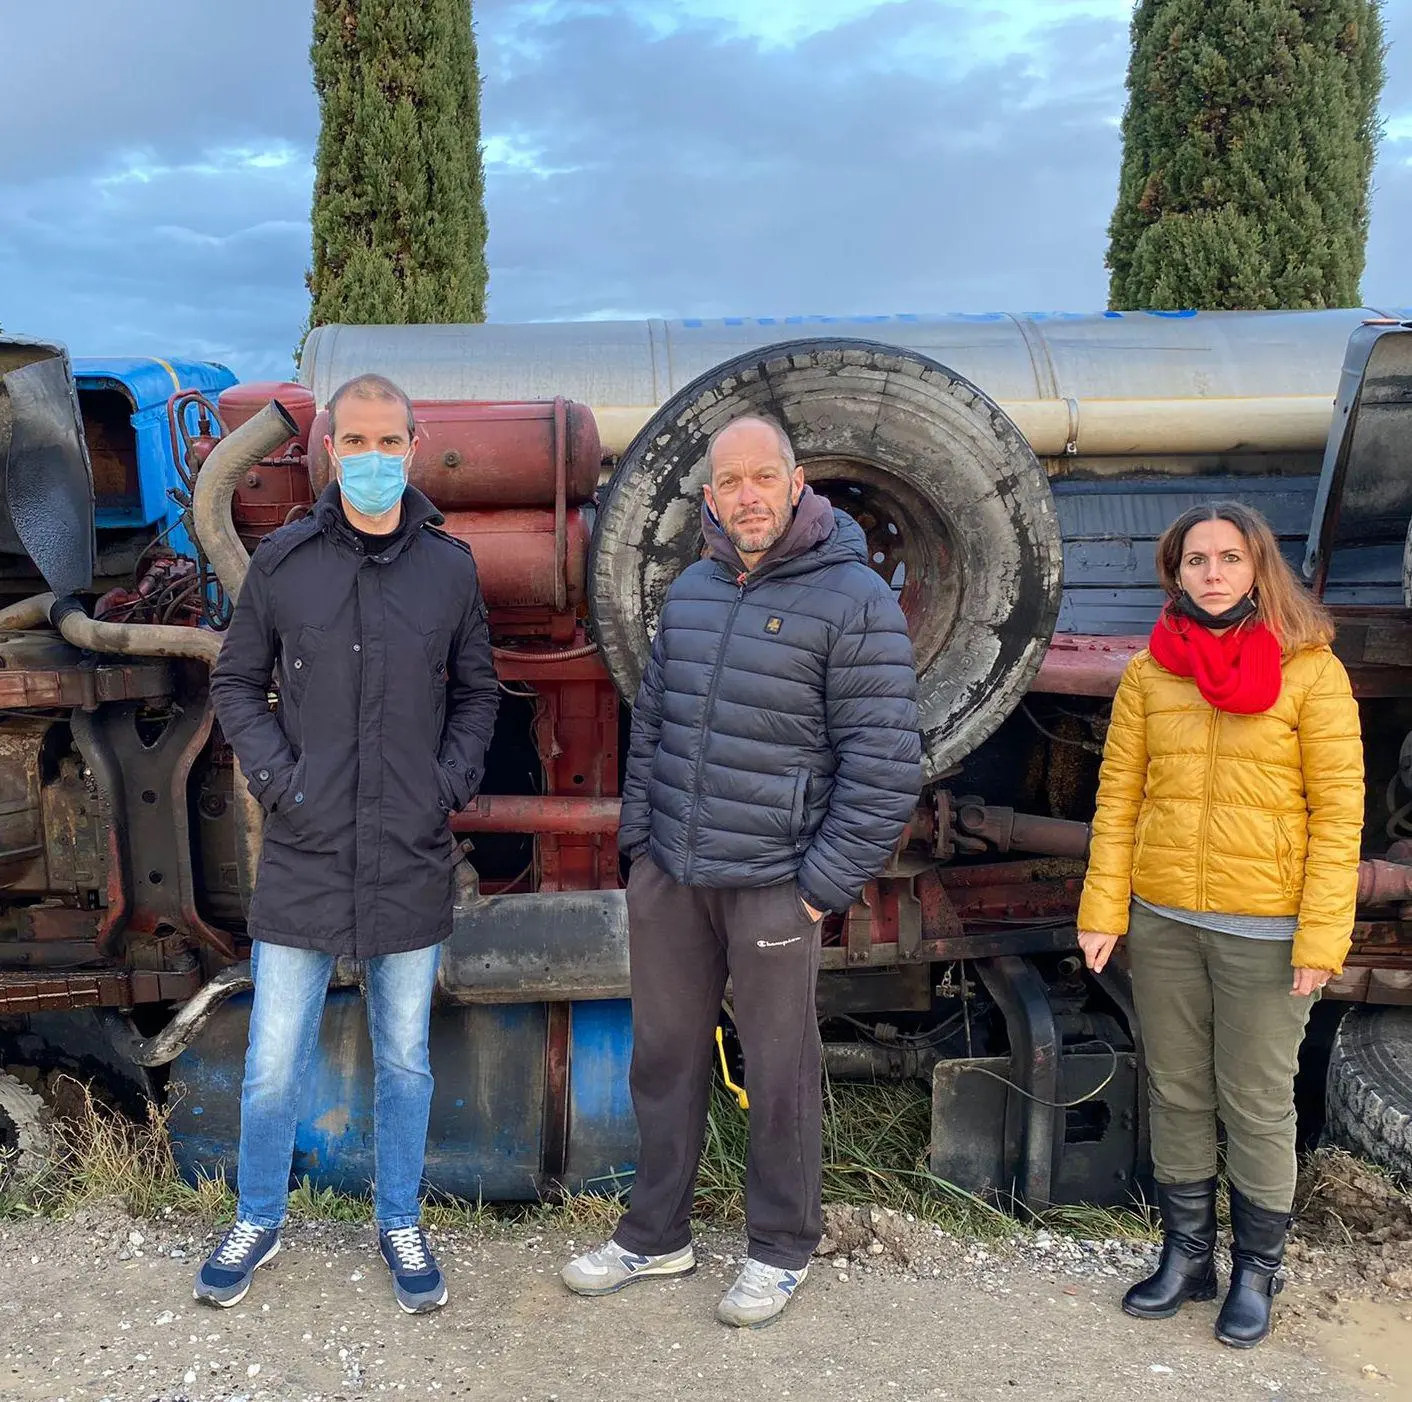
{"x": 519, "y": 559}
{"x": 22, "y": 992}
{"x": 1382, "y": 944}
{"x": 22, "y": 864}
{"x": 551, "y": 945}
{"x": 143, "y": 781}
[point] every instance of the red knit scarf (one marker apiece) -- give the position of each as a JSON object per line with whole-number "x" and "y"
{"x": 1238, "y": 671}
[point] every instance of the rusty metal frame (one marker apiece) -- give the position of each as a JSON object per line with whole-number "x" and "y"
{"x": 145, "y": 789}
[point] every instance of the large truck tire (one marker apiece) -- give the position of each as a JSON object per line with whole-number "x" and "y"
{"x": 25, "y": 1148}
{"x": 1368, "y": 1103}
{"x": 1407, "y": 568}
{"x": 956, "y": 508}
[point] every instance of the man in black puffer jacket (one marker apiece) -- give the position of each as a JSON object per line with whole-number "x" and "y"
{"x": 775, "y": 760}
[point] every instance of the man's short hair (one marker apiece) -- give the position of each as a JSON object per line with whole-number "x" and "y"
{"x": 371, "y": 386}
{"x": 786, "y": 447}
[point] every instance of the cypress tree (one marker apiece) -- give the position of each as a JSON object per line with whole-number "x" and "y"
{"x": 399, "y": 202}
{"x": 1248, "y": 145}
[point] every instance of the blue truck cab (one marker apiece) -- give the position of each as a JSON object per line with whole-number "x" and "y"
{"x": 123, "y": 400}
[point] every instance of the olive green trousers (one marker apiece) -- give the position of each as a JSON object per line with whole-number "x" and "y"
{"x": 1221, "y": 1035}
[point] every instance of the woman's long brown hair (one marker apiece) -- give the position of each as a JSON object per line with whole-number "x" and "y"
{"x": 1282, "y": 603}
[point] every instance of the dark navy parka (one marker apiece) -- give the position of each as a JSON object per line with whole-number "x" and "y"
{"x": 387, "y": 699}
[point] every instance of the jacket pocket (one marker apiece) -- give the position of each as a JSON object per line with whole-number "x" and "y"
{"x": 450, "y": 787}
{"x": 293, "y": 807}
{"x": 1284, "y": 856}
{"x": 299, "y": 661}
{"x": 1144, "y": 821}
{"x": 796, "y": 804}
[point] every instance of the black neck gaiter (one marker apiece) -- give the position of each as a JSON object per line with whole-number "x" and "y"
{"x": 1238, "y": 612}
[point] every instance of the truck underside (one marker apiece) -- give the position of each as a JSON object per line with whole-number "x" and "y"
{"x": 128, "y": 837}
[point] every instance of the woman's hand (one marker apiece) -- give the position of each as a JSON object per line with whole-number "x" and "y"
{"x": 1098, "y": 947}
{"x": 1306, "y": 981}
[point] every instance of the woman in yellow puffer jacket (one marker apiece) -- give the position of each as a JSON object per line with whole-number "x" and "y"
{"x": 1225, "y": 850}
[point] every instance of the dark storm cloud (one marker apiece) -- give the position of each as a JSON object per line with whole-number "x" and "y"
{"x": 877, "y": 166}
{"x": 94, "y": 78}
{"x": 158, "y": 202}
{"x": 639, "y": 162}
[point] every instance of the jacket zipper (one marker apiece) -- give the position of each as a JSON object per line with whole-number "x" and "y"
{"x": 1201, "y": 838}
{"x": 705, "y": 729}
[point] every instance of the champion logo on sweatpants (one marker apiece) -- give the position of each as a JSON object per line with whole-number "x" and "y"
{"x": 777, "y": 944}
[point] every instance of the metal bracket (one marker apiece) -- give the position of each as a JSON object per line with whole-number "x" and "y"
{"x": 1034, "y": 1126}
{"x": 145, "y": 789}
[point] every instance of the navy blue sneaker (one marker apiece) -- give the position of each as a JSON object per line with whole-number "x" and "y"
{"x": 417, "y": 1280}
{"x": 224, "y": 1278}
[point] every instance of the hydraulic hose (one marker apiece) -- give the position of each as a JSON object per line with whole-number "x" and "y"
{"x": 26, "y": 613}
{"x": 216, "y": 482}
{"x": 132, "y": 639}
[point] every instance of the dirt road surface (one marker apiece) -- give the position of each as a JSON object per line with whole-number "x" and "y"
{"x": 101, "y": 1308}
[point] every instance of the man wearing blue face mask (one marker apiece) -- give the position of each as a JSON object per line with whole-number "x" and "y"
{"x": 370, "y": 622}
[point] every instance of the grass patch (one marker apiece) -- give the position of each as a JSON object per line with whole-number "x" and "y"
{"x": 875, "y": 1154}
{"x": 1102, "y": 1223}
{"x": 100, "y": 1155}
{"x": 875, "y": 1147}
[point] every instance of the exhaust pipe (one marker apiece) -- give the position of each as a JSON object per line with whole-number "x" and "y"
{"x": 231, "y": 458}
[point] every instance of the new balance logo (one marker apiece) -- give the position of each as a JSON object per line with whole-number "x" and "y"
{"x": 777, "y": 944}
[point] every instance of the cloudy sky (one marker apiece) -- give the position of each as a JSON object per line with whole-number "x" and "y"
{"x": 644, "y": 158}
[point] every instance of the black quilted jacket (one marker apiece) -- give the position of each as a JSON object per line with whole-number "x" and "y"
{"x": 775, "y": 733}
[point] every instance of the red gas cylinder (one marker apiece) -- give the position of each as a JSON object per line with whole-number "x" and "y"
{"x": 475, "y": 455}
{"x": 281, "y": 481}
{"x": 521, "y": 562}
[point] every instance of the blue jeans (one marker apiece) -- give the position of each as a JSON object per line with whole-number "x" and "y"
{"x": 290, "y": 986}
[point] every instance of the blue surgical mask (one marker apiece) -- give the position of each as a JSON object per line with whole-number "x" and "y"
{"x": 373, "y": 482}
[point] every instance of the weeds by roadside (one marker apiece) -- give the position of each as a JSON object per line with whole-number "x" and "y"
{"x": 875, "y": 1154}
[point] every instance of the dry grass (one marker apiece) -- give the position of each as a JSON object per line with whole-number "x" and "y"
{"x": 875, "y": 1153}
{"x": 100, "y": 1155}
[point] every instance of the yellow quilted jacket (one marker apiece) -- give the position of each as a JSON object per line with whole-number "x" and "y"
{"x": 1207, "y": 810}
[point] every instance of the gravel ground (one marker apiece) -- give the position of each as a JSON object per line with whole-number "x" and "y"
{"x": 100, "y": 1307}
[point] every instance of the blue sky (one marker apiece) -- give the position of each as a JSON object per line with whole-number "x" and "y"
{"x": 653, "y": 158}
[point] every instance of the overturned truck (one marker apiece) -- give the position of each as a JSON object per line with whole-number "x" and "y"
{"x": 1011, "y": 475}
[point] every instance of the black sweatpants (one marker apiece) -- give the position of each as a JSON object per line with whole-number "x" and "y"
{"x": 683, "y": 941}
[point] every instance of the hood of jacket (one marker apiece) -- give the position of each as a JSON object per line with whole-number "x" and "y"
{"x": 818, "y": 535}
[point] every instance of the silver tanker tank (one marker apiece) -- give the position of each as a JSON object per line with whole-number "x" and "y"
{"x": 1087, "y": 384}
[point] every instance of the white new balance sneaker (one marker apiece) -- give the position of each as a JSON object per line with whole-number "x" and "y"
{"x": 759, "y": 1294}
{"x": 610, "y": 1267}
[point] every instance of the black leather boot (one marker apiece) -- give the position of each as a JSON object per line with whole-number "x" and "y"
{"x": 1187, "y": 1270}
{"x": 1257, "y": 1250}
